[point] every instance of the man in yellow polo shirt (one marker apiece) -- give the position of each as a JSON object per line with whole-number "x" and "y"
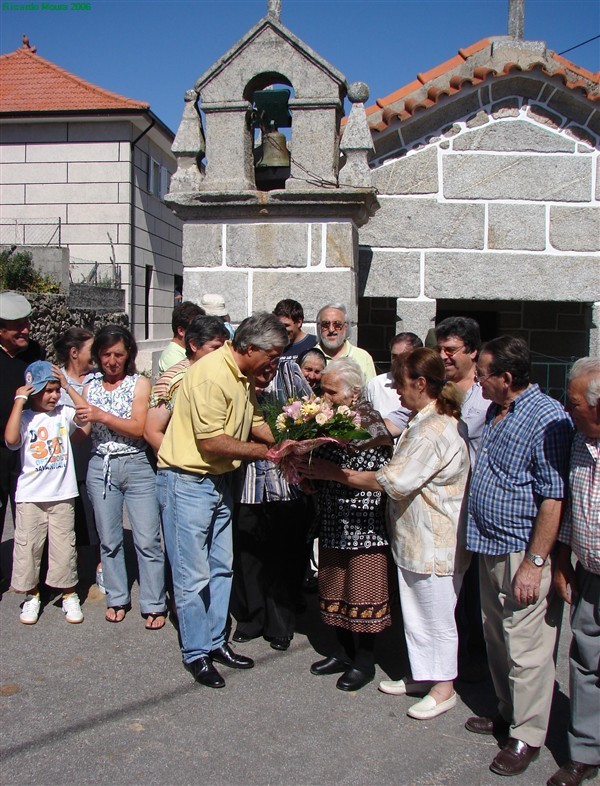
{"x": 215, "y": 413}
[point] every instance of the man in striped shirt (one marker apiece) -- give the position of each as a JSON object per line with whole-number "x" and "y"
{"x": 515, "y": 504}
{"x": 580, "y": 533}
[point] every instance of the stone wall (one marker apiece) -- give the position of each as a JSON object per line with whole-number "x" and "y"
{"x": 499, "y": 203}
{"x": 51, "y": 315}
{"x": 254, "y": 265}
{"x": 49, "y": 261}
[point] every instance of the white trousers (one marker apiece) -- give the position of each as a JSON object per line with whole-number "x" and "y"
{"x": 428, "y": 603}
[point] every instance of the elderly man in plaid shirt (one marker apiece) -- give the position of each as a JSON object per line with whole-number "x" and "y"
{"x": 580, "y": 533}
{"x": 515, "y": 504}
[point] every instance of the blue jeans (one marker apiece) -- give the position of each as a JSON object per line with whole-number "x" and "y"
{"x": 133, "y": 482}
{"x": 196, "y": 517}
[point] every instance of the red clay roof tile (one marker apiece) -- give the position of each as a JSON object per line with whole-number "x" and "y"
{"x": 473, "y": 65}
{"x": 474, "y": 48}
{"x": 433, "y": 73}
{"x": 31, "y": 84}
{"x": 403, "y": 91}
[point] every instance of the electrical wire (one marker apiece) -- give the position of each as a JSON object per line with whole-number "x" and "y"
{"x": 564, "y": 52}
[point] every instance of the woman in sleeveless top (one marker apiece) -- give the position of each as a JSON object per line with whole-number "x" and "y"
{"x": 119, "y": 472}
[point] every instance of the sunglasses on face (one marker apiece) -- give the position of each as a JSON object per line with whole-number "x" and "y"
{"x": 449, "y": 351}
{"x": 336, "y": 325}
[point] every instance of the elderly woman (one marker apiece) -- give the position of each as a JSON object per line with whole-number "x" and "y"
{"x": 425, "y": 483}
{"x": 353, "y": 545}
{"x": 312, "y": 364}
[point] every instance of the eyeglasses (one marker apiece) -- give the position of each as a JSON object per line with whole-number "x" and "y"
{"x": 480, "y": 375}
{"x": 336, "y": 325}
{"x": 449, "y": 351}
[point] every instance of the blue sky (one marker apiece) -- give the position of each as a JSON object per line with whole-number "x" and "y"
{"x": 153, "y": 50}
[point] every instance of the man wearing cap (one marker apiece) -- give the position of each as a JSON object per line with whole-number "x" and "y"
{"x": 214, "y": 306}
{"x": 17, "y": 351}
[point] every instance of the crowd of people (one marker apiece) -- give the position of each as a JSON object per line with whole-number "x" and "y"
{"x": 481, "y": 490}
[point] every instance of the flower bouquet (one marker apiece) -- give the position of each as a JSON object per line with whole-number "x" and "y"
{"x": 302, "y": 425}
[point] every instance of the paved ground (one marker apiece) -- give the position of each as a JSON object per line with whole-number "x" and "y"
{"x": 111, "y": 704}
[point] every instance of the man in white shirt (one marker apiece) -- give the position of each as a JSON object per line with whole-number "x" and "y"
{"x": 458, "y": 340}
{"x": 382, "y": 392}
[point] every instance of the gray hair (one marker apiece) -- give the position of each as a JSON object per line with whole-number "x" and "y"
{"x": 584, "y": 367}
{"x": 262, "y": 330}
{"x": 348, "y": 371}
{"x": 339, "y": 306}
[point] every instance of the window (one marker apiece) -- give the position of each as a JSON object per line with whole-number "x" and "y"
{"x": 159, "y": 179}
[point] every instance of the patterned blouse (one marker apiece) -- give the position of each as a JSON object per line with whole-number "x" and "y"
{"x": 350, "y": 518}
{"x": 105, "y": 441}
{"x": 425, "y": 482}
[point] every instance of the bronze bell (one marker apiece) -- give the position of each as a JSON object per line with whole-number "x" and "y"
{"x": 274, "y": 150}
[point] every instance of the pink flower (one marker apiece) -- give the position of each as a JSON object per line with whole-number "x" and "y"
{"x": 293, "y": 409}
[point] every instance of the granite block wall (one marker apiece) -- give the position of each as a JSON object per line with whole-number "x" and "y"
{"x": 491, "y": 201}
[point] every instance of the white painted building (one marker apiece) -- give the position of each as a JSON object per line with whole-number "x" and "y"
{"x": 87, "y": 169}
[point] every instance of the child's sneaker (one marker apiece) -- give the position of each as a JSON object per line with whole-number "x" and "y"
{"x": 72, "y": 608}
{"x": 100, "y": 581}
{"x": 30, "y": 610}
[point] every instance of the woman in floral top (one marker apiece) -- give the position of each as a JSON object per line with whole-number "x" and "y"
{"x": 353, "y": 544}
{"x": 119, "y": 471}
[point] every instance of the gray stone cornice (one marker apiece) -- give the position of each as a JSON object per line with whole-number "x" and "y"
{"x": 226, "y": 106}
{"x": 313, "y": 103}
{"x": 358, "y": 204}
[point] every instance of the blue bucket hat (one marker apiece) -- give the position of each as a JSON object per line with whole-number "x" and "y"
{"x": 38, "y": 374}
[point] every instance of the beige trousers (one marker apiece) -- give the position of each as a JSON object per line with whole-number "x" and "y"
{"x": 34, "y": 523}
{"x": 521, "y": 642}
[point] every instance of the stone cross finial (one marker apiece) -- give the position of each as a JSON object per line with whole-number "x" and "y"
{"x": 274, "y": 9}
{"x": 516, "y": 19}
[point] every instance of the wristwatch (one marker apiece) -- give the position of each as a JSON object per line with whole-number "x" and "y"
{"x": 535, "y": 559}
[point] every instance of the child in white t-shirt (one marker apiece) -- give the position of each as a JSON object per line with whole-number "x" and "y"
{"x": 46, "y": 490}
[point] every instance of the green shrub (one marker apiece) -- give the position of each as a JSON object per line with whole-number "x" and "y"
{"x": 17, "y": 272}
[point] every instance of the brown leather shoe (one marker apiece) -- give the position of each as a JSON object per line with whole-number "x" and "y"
{"x": 514, "y": 758}
{"x": 572, "y": 774}
{"x": 482, "y": 725}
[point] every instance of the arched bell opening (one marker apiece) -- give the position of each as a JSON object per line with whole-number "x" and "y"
{"x": 270, "y": 124}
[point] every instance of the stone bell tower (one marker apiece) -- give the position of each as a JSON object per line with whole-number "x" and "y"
{"x": 261, "y": 225}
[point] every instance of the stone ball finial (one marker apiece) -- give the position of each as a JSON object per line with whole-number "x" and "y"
{"x": 190, "y": 95}
{"x": 358, "y": 92}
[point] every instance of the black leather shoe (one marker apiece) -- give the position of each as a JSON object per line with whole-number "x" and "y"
{"x": 279, "y": 642}
{"x": 242, "y": 638}
{"x": 572, "y": 774}
{"x": 205, "y": 673}
{"x": 329, "y": 666}
{"x": 514, "y": 758}
{"x": 225, "y": 655}
{"x": 354, "y": 679}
